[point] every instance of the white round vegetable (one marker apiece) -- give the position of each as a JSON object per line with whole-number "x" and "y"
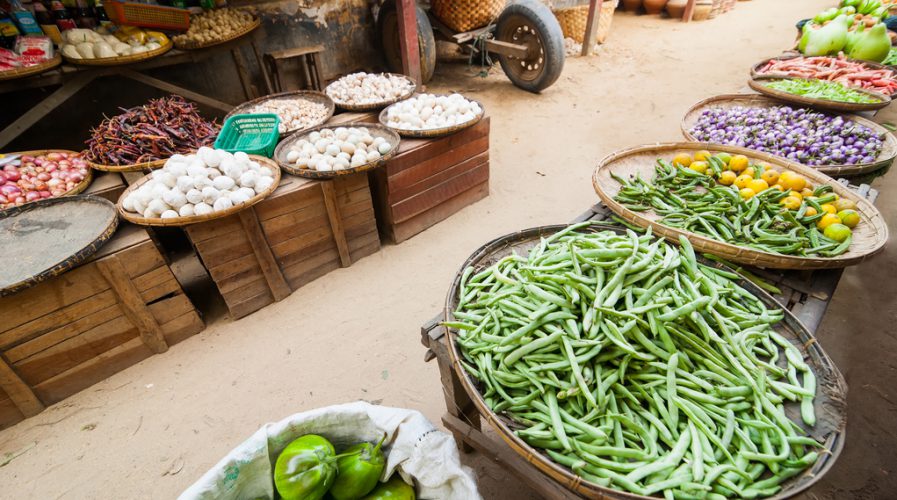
{"x": 248, "y": 179}
{"x": 238, "y": 197}
{"x": 194, "y": 196}
{"x": 222, "y": 203}
{"x": 186, "y": 210}
{"x": 128, "y": 202}
{"x": 202, "y": 209}
{"x": 210, "y": 194}
{"x": 223, "y": 182}
{"x": 169, "y": 214}
{"x": 157, "y": 206}
{"x": 249, "y": 192}
{"x": 263, "y": 184}
{"x": 175, "y": 199}
{"x": 184, "y": 183}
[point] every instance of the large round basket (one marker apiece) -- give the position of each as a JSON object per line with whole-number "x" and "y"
{"x": 121, "y": 60}
{"x": 79, "y": 188}
{"x": 372, "y": 106}
{"x": 885, "y": 158}
{"x": 760, "y": 84}
{"x": 375, "y": 129}
{"x": 755, "y": 69}
{"x": 193, "y": 219}
{"x": 37, "y": 69}
{"x": 249, "y": 28}
{"x": 434, "y": 132}
{"x": 830, "y": 403}
{"x": 136, "y": 167}
{"x": 306, "y": 95}
{"x": 869, "y": 236}
{"x": 48, "y": 237}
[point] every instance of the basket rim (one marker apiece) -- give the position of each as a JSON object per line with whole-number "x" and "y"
{"x": 255, "y": 23}
{"x": 14, "y": 74}
{"x": 313, "y": 96}
{"x": 194, "y": 219}
{"x": 834, "y": 442}
{"x": 374, "y": 105}
{"x": 736, "y": 253}
{"x": 308, "y": 173}
{"x": 884, "y": 159}
{"x": 827, "y": 104}
{"x": 121, "y": 60}
{"x": 435, "y": 132}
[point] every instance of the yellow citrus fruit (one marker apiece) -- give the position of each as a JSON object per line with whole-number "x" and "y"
{"x": 778, "y": 187}
{"x": 702, "y": 155}
{"x": 810, "y": 212}
{"x": 829, "y": 208}
{"x": 738, "y": 163}
{"x": 790, "y": 202}
{"x": 725, "y": 157}
{"x": 796, "y": 195}
{"x": 844, "y": 204}
{"x": 796, "y": 182}
{"x": 742, "y": 181}
{"x": 683, "y": 159}
{"x": 770, "y": 176}
{"x": 727, "y": 178}
{"x": 806, "y": 192}
{"x": 758, "y": 185}
{"x": 849, "y": 218}
{"x": 698, "y": 166}
{"x": 747, "y": 193}
{"x": 749, "y": 171}
{"x": 837, "y": 232}
{"x": 827, "y": 220}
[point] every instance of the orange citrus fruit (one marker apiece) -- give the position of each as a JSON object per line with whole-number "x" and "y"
{"x": 747, "y": 193}
{"x": 837, "y": 232}
{"x": 758, "y": 185}
{"x": 849, "y": 218}
{"x": 738, "y": 163}
{"x": 770, "y": 176}
{"x": 742, "y": 181}
{"x": 699, "y": 166}
{"x": 790, "y": 202}
{"x": 683, "y": 159}
{"x": 827, "y": 220}
{"x": 727, "y": 178}
{"x": 702, "y": 155}
{"x": 829, "y": 208}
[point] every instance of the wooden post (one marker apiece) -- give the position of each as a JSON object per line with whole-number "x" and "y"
{"x": 336, "y": 223}
{"x": 591, "y": 26}
{"x": 132, "y": 304}
{"x": 18, "y": 391}
{"x": 407, "y": 13}
{"x": 689, "y": 11}
{"x": 278, "y": 285}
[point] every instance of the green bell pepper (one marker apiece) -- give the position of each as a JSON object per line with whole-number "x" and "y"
{"x": 394, "y": 489}
{"x": 359, "y": 471}
{"x": 306, "y": 468}
{"x": 826, "y": 15}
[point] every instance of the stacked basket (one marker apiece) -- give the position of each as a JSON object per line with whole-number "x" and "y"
{"x": 574, "y": 19}
{"x": 465, "y": 15}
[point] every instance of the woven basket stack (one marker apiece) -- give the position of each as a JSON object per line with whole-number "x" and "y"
{"x": 573, "y": 21}
{"x": 466, "y": 15}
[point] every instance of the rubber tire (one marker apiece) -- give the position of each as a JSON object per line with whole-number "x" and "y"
{"x": 425, "y": 38}
{"x": 552, "y": 39}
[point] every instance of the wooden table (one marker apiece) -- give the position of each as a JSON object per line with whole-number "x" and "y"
{"x": 806, "y": 294}
{"x": 73, "y": 78}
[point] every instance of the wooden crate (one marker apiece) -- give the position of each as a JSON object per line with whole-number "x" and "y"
{"x": 108, "y": 185}
{"x": 72, "y": 331}
{"x": 429, "y": 180}
{"x": 305, "y": 229}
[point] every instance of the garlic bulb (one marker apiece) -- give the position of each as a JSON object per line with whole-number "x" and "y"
{"x": 368, "y": 88}
{"x": 340, "y": 148}
{"x": 294, "y": 113}
{"x": 429, "y": 112}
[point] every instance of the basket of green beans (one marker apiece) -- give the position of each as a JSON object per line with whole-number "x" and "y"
{"x": 623, "y": 366}
{"x": 819, "y": 93}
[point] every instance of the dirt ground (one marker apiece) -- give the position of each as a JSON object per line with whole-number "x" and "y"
{"x": 153, "y": 429}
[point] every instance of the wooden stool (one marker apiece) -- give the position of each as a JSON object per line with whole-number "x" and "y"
{"x": 309, "y": 60}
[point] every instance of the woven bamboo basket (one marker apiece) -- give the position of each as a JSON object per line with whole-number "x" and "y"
{"x": 885, "y": 158}
{"x": 760, "y": 85}
{"x": 375, "y": 129}
{"x": 249, "y": 28}
{"x": 121, "y": 60}
{"x": 136, "y": 167}
{"x": 465, "y": 15}
{"x": 373, "y": 106}
{"x": 869, "y": 236}
{"x": 12, "y": 74}
{"x": 830, "y": 403}
{"x": 307, "y": 95}
{"x": 573, "y": 21}
{"x": 101, "y": 222}
{"x": 193, "y": 219}
{"x": 79, "y": 188}
{"x": 435, "y": 132}
{"x": 716, "y": 9}
{"x": 755, "y": 69}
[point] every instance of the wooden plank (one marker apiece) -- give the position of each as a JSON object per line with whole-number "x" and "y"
{"x": 182, "y": 327}
{"x": 413, "y": 152}
{"x": 169, "y": 287}
{"x": 250, "y": 305}
{"x": 132, "y": 303}
{"x": 106, "y": 185}
{"x": 246, "y": 263}
{"x": 64, "y": 332}
{"x": 282, "y": 202}
{"x": 689, "y": 11}
{"x": 437, "y": 163}
{"x": 140, "y": 258}
{"x": 222, "y": 250}
{"x": 9, "y": 412}
{"x": 240, "y": 279}
{"x": 152, "y": 279}
{"x": 295, "y": 224}
{"x": 397, "y": 194}
{"x": 51, "y": 321}
{"x": 328, "y": 259}
{"x": 408, "y": 38}
{"x": 301, "y": 279}
{"x": 174, "y": 89}
{"x": 436, "y": 195}
{"x": 20, "y": 394}
{"x": 270, "y": 269}
{"x": 248, "y": 290}
{"x": 336, "y": 224}
{"x": 298, "y": 248}
{"x": 591, "y": 26}
{"x": 213, "y": 229}
{"x": 401, "y": 232}
{"x": 173, "y": 307}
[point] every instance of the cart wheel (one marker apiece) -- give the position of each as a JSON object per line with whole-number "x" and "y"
{"x": 388, "y": 27}
{"x": 531, "y": 23}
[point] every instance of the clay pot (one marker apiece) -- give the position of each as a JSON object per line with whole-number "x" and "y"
{"x": 632, "y": 5}
{"x": 654, "y": 6}
{"x": 675, "y": 8}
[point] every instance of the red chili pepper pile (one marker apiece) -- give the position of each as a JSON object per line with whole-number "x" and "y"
{"x": 835, "y": 69}
{"x": 154, "y": 131}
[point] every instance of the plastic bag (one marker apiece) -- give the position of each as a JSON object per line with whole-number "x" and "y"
{"x": 416, "y": 450}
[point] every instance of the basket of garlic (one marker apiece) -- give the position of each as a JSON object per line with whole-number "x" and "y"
{"x": 217, "y": 26}
{"x": 432, "y": 115}
{"x": 90, "y": 48}
{"x": 297, "y": 110}
{"x": 325, "y": 152}
{"x": 196, "y": 188}
{"x": 369, "y": 91}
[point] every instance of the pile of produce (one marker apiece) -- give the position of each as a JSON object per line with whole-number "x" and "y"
{"x": 820, "y": 89}
{"x": 637, "y": 367}
{"x": 728, "y": 199}
{"x": 891, "y": 60}
{"x": 295, "y": 113}
{"x": 430, "y": 112}
{"x": 341, "y": 148}
{"x": 368, "y": 88}
{"x": 154, "y": 131}
{"x": 209, "y": 181}
{"x": 29, "y": 51}
{"x": 90, "y": 44}
{"x": 799, "y": 134}
{"x": 214, "y": 26}
{"x": 31, "y": 178}
{"x": 870, "y": 43}
{"x": 834, "y": 69}
{"x": 309, "y": 468}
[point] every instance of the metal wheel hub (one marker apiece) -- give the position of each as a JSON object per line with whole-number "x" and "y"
{"x": 521, "y": 32}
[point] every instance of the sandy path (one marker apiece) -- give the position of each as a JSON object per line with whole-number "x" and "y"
{"x": 151, "y": 430}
